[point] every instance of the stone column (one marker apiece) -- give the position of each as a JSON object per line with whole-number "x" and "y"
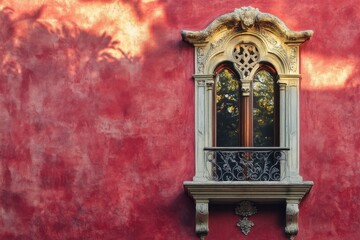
{"x": 283, "y": 127}
{"x": 203, "y": 120}
{"x": 289, "y": 132}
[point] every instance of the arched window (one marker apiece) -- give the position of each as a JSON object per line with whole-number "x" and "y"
{"x": 265, "y": 107}
{"x": 246, "y": 123}
{"x": 228, "y": 107}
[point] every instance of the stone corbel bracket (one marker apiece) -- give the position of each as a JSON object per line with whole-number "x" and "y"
{"x": 202, "y": 218}
{"x": 243, "y": 19}
{"x": 292, "y": 215}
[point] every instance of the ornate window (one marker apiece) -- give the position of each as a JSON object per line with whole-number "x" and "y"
{"x": 247, "y": 114}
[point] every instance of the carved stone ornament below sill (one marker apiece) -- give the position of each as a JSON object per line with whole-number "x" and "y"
{"x": 245, "y": 225}
{"x": 245, "y": 210}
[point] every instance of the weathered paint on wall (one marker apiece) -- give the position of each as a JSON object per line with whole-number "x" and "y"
{"x": 96, "y": 120}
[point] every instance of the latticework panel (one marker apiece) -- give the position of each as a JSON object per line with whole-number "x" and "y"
{"x": 246, "y": 57}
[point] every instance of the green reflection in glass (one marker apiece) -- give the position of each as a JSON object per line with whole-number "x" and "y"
{"x": 263, "y": 109}
{"x": 227, "y": 109}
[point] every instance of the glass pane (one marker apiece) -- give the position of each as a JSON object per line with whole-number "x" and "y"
{"x": 263, "y": 109}
{"x": 227, "y": 109}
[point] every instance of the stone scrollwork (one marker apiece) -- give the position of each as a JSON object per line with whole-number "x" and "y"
{"x": 292, "y": 214}
{"x": 245, "y": 225}
{"x": 276, "y": 45}
{"x": 215, "y": 46}
{"x": 245, "y": 210}
{"x": 280, "y": 49}
{"x": 268, "y": 37}
{"x": 202, "y": 216}
{"x": 247, "y": 16}
{"x": 293, "y": 59}
{"x": 200, "y": 52}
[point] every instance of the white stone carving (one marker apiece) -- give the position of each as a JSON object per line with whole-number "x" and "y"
{"x": 200, "y": 59}
{"x": 264, "y": 38}
{"x": 215, "y": 46}
{"x": 245, "y": 210}
{"x": 246, "y": 57}
{"x": 268, "y": 37}
{"x": 247, "y": 16}
{"x": 293, "y": 59}
{"x": 245, "y": 225}
{"x": 276, "y": 45}
{"x": 202, "y": 218}
{"x": 292, "y": 214}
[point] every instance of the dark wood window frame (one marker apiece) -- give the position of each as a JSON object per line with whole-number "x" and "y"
{"x": 245, "y": 106}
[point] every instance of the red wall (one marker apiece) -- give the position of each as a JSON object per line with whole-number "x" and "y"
{"x": 96, "y": 120}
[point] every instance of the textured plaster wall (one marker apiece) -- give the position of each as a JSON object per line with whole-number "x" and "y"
{"x": 96, "y": 120}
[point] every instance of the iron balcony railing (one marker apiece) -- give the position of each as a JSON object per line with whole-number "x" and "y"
{"x": 245, "y": 163}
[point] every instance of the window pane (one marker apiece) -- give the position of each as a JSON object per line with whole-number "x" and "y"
{"x": 263, "y": 109}
{"x": 227, "y": 109}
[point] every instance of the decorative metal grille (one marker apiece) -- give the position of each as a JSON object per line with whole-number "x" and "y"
{"x": 244, "y": 163}
{"x": 246, "y": 57}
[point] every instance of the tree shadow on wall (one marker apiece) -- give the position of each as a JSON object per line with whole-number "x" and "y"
{"x": 55, "y": 82}
{"x": 134, "y": 4}
{"x": 64, "y": 95}
{"x": 26, "y": 38}
{"x": 63, "y": 63}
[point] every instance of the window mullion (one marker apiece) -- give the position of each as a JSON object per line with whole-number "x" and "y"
{"x": 246, "y": 116}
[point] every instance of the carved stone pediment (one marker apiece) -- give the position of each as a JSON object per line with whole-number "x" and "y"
{"x": 244, "y": 19}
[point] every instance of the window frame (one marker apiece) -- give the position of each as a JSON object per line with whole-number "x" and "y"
{"x": 217, "y": 71}
{"x": 279, "y": 46}
{"x": 246, "y": 108}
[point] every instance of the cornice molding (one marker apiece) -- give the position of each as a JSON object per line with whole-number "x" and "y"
{"x": 244, "y": 19}
{"x": 260, "y": 192}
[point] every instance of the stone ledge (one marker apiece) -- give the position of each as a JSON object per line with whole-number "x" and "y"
{"x": 260, "y": 192}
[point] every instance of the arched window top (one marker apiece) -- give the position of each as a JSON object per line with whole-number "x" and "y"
{"x": 265, "y": 107}
{"x": 265, "y": 66}
{"x": 247, "y": 29}
{"x": 225, "y": 65}
{"x": 227, "y": 106}
{"x": 246, "y": 18}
